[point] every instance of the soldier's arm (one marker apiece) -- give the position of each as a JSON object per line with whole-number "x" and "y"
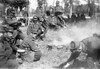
{"x": 73, "y": 56}
{"x": 15, "y": 33}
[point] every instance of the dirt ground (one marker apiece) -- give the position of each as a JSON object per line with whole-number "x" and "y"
{"x": 60, "y": 41}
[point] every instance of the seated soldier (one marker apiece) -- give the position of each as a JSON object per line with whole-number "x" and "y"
{"x": 17, "y": 34}
{"x": 52, "y": 20}
{"x": 32, "y": 48}
{"x": 35, "y": 27}
{"x": 7, "y": 58}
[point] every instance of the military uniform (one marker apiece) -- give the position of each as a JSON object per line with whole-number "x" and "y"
{"x": 17, "y": 34}
{"x": 39, "y": 12}
{"x": 52, "y": 20}
{"x": 30, "y": 45}
{"x": 34, "y": 28}
{"x": 16, "y": 37}
{"x": 7, "y": 58}
{"x": 58, "y": 13}
{"x": 58, "y": 9}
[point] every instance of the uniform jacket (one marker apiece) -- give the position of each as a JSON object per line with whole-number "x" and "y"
{"x": 17, "y": 35}
{"x": 29, "y": 44}
{"x": 34, "y": 28}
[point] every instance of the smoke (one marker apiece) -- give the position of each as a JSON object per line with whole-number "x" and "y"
{"x": 76, "y": 32}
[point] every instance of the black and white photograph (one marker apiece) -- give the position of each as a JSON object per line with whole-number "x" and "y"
{"x": 49, "y": 34}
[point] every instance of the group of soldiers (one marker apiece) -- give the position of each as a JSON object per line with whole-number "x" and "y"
{"x": 9, "y": 43}
{"x": 14, "y": 45}
{"x": 44, "y": 20}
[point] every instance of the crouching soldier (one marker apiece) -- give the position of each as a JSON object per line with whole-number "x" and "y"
{"x": 90, "y": 46}
{"x": 35, "y": 27}
{"x": 7, "y": 58}
{"x": 32, "y": 51}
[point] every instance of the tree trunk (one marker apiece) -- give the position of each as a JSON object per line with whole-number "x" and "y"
{"x": 71, "y": 4}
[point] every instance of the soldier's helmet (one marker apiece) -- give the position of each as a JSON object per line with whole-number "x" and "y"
{"x": 74, "y": 45}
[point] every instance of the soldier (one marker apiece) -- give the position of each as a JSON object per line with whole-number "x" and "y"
{"x": 17, "y": 35}
{"x": 73, "y": 17}
{"x": 31, "y": 47}
{"x": 44, "y": 27}
{"x": 52, "y": 20}
{"x": 35, "y": 27}
{"x": 58, "y": 9}
{"x": 90, "y": 46}
{"x": 40, "y": 10}
{"x": 7, "y": 58}
{"x": 58, "y": 13}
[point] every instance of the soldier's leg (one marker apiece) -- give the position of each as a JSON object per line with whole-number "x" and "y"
{"x": 12, "y": 64}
